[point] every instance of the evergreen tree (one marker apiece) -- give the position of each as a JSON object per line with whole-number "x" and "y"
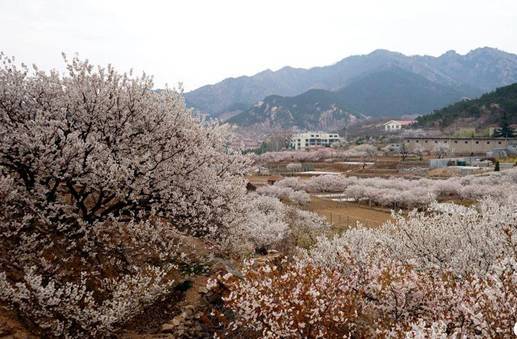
{"x": 505, "y": 130}
{"x": 497, "y": 168}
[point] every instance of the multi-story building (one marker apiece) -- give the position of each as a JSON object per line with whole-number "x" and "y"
{"x": 313, "y": 139}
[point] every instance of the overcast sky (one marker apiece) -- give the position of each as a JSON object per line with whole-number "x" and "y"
{"x": 200, "y": 42}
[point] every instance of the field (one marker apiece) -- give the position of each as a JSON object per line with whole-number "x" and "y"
{"x": 344, "y": 215}
{"x": 380, "y": 166}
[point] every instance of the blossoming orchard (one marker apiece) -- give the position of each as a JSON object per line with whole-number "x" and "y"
{"x": 123, "y": 213}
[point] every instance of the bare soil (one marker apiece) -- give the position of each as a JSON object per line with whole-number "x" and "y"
{"x": 344, "y": 215}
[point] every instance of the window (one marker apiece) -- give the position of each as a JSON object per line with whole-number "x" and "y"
{"x": 499, "y": 143}
{"x": 417, "y": 141}
{"x": 466, "y": 142}
{"x": 425, "y": 141}
{"x": 455, "y": 141}
{"x": 436, "y": 141}
{"x": 477, "y": 142}
{"x": 488, "y": 142}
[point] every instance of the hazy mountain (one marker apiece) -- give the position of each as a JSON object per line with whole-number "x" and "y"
{"x": 487, "y": 110}
{"x": 387, "y": 92}
{"x": 478, "y": 71}
{"x": 395, "y": 92}
{"x": 315, "y": 109}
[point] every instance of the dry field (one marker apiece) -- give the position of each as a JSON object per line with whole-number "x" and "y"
{"x": 381, "y": 166}
{"x": 344, "y": 215}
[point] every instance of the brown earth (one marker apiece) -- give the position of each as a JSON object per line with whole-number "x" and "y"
{"x": 384, "y": 166}
{"x": 344, "y": 215}
{"x": 11, "y": 327}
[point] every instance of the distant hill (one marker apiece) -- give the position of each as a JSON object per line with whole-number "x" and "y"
{"x": 479, "y": 71}
{"x": 388, "y": 92}
{"x": 314, "y": 109}
{"x": 482, "y": 112}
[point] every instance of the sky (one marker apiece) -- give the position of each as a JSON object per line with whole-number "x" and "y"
{"x": 199, "y": 42}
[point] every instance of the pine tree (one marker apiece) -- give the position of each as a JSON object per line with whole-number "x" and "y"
{"x": 505, "y": 131}
{"x": 497, "y": 168}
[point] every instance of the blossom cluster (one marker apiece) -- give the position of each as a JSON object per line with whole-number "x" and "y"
{"x": 267, "y": 223}
{"x": 450, "y": 271}
{"x": 362, "y": 151}
{"x": 402, "y": 192}
{"x": 287, "y": 193}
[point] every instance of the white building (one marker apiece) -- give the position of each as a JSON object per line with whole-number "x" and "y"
{"x": 397, "y": 125}
{"x": 313, "y": 139}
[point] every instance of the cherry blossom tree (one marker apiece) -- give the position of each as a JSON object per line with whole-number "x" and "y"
{"x": 112, "y": 146}
{"x": 99, "y": 174}
{"x": 286, "y": 193}
{"x": 407, "y": 193}
{"x": 267, "y": 223}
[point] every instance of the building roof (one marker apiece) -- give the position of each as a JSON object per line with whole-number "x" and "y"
{"x": 402, "y": 122}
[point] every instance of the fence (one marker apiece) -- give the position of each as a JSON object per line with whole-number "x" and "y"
{"x": 346, "y": 221}
{"x": 282, "y": 170}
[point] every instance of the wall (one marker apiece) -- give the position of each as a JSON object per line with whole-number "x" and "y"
{"x": 458, "y": 145}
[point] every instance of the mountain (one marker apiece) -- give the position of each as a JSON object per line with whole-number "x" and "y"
{"x": 387, "y": 92}
{"x": 315, "y": 109}
{"x": 395, "y": 92}
{"x": 487, "y": 110}
{"x": 478, "y": 71}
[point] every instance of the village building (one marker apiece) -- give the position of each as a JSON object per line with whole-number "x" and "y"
{"x": 397, "y": 125}
{"x": 305, "y": 140}
{"x": 458, "y": 146}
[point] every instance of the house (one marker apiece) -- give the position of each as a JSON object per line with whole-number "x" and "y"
{"x": 397, "y": 125}
{"x": 305, "y": 140}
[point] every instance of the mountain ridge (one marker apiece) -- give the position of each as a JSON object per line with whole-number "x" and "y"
{"x": 473, "y": 73}
{"x": 389, "y": 91}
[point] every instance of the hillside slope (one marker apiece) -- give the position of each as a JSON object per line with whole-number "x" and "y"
{"x": 396, "y": 92}
{"x": 486, "y": 110}
{"x": 314, "y": 109}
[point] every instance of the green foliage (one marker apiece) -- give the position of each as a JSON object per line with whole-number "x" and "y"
{"x": 497, "y": 167}
{"x": 505, "y": 131}
{"x": 493, "y": 105}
